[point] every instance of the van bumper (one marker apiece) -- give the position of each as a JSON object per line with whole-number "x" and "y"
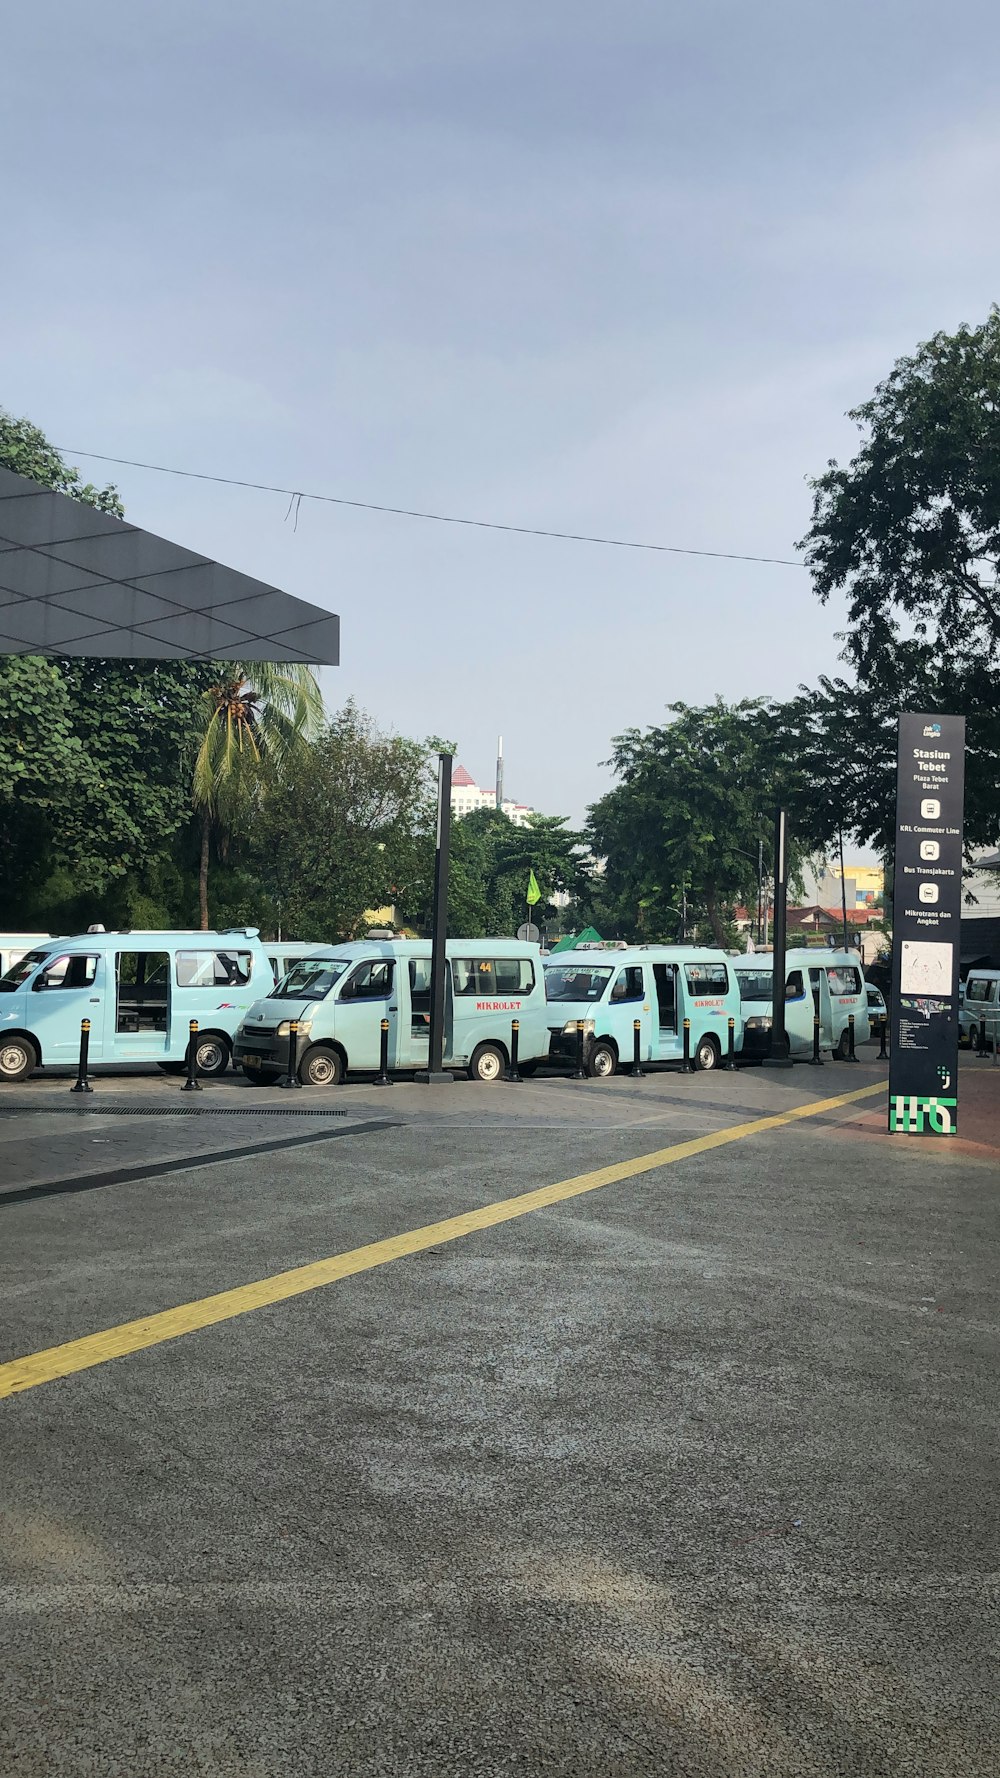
{"x": 261, "y": 1055}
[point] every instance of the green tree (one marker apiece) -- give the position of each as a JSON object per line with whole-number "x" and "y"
{"x": 909, "y": 531}
{"x": 25, "y": 449}
{"x": 694, "y": 800}
{"x": 258, "y": 719}
{"x": 349, "y": 831}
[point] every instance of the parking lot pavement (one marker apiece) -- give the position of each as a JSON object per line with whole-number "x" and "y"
{"x": 690, "y": 1472}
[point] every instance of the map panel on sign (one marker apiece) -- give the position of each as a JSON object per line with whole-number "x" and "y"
{"x": 926, "y": 968}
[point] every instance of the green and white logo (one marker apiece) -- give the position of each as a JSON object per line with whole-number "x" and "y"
{"x": 913, "y": 1116}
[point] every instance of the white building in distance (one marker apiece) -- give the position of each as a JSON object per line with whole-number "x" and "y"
{"x": 467, "y": 796}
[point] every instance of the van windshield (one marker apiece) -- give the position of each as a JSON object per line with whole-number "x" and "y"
{"x": 310, "y": 979}
{"x": 20, "y": 971}
{"x": 755, "y": 984}
{"x": 570, "y": 981}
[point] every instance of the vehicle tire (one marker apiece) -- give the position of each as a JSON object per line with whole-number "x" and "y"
{"x": 843, "y": 1049}
{"x": 18, "y": 1058}
{"x": 528, "y": 1069}
{"x": 211, "y": 1054}
{"x": 707, "y": 1054}
{"x": 172, "y": 1067}
{"x": 262, "y": 1080}
{"x": 488, "y": 1063}
{"x": 602, "y": 1061}
{"x": 321, "y": 1067}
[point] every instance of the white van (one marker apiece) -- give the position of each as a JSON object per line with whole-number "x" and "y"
{"x": 339, "y": 1003}
{"x": 980, "y": 1007}
{"x": 827, "y": 982}
{"x": 139, "y": 990}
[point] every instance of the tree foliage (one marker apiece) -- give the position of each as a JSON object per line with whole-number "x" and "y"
{"x": 694, "y": 803}
{"x": 25, "y": 449}
{"x": 909, "y": 531}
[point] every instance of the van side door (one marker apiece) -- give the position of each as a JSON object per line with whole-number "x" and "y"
{"x": 68, "y": 990}
{"x": 366, "y": 997}
{"x": 137, "y": 1005}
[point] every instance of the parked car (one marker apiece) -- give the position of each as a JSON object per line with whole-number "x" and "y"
{"x": 877, "y": 1009}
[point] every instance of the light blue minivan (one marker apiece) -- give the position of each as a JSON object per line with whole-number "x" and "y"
{"x": 139, "y": 990}
{"x": 339, "y": 1003}
{"x": 658, "y": 985}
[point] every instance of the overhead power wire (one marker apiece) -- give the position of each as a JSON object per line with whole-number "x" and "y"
{"x": 297, "y": 495}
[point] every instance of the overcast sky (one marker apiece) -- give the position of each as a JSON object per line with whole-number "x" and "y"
{"x": 617, "y": 269}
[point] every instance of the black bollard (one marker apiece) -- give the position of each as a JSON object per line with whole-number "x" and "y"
{"x": 192, "y": 1085}
{"x": 731, "y": 1045}
{"x": 291, "y": 1079}
{"x": 688, "y": 1064}
{"x": 851, "y": 1057}
{"x": 382, "y": 1077}
{"x": 638, "y": 1071}
{"x": 82, "y": 1083}
{"x": 817, "y": 1060}
{"x": 579, "y": 1072}
{"x": 883, "y": 1054}
{"x": 512, "y": 1072}
{"x": 982, "y": 1048}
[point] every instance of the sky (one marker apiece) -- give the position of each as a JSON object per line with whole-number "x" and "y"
{"x": 619, "y": 269}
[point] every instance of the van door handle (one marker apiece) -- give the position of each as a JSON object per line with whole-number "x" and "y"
{"x": 393, "y": 1008}
{"x": 95, "y": 1000}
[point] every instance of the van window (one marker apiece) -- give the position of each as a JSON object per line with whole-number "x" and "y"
{"x": 979, "y": 988}
{"x": 370, "y": 981}
{"x": 20, "y": 971}
{"x": 213, "y": 969}
{"x": 68, "y": 972}
{"x": 794, "y": 986}
{"x": 844, "y": 980}
{"x": 569, "y": 981}
{"x": 755, "y": 984}
{"x": 630, "y": 984}
{"x": 707, "y": 978}
{"x": 311, "y": 979}
{"x": 495, "y": 977}
{"x": 143, "y": 983}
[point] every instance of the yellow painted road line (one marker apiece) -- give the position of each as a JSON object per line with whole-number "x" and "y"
{"x": 152, "y": 1330}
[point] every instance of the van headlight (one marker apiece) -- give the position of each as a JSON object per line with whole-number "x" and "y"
{"x": 760, "y": 1023}
{"x": 570, "y": 1027}
{"x": 285, "y": 1028}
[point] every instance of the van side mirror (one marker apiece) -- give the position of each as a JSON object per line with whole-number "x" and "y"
{"x": 348, "y": 991}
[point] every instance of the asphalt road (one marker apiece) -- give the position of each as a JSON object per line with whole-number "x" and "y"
{"x": 694, "y": 1472}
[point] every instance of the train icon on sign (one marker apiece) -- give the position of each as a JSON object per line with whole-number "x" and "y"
{"x": 930, "y": 809}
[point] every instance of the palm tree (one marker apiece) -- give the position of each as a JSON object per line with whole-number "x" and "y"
{"x": 257, "y": 719}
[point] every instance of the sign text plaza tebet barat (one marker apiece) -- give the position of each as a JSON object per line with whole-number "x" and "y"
{"x": 926, "y": 923}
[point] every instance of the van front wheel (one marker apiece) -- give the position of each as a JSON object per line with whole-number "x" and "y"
{"x": 706, "y": 1054}
{"x": 488, "y": 1063}
{"x": 321, "y": 1067}
{"x": 844, "y": 1046}
{"x": 17, "y": 1058}
{"x": 602, "y": 1061}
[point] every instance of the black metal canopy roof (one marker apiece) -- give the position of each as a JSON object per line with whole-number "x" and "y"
{"x": 75, "y": 581}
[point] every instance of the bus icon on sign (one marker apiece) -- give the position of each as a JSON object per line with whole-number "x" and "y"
{"x": 930, "y": 809}
{"x": 930, "y": 851}
{"x": 928, "y": 892}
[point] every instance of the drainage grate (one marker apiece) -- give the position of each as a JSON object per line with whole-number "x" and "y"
{"x": 167, "y": 1111}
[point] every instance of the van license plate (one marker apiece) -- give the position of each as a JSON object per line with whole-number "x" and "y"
{"x": 251, "y": 1061}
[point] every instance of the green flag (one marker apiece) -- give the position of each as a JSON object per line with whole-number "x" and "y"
{"x": 533, "y": 893}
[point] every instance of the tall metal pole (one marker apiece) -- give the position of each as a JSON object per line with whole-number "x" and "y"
{"x": 760, "y": 891}
{"x": 779, "y": 1056}
{"x": 435, "y": 1061}
{"x": 843, "y": 885}
{"x": 499, "y": 771}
